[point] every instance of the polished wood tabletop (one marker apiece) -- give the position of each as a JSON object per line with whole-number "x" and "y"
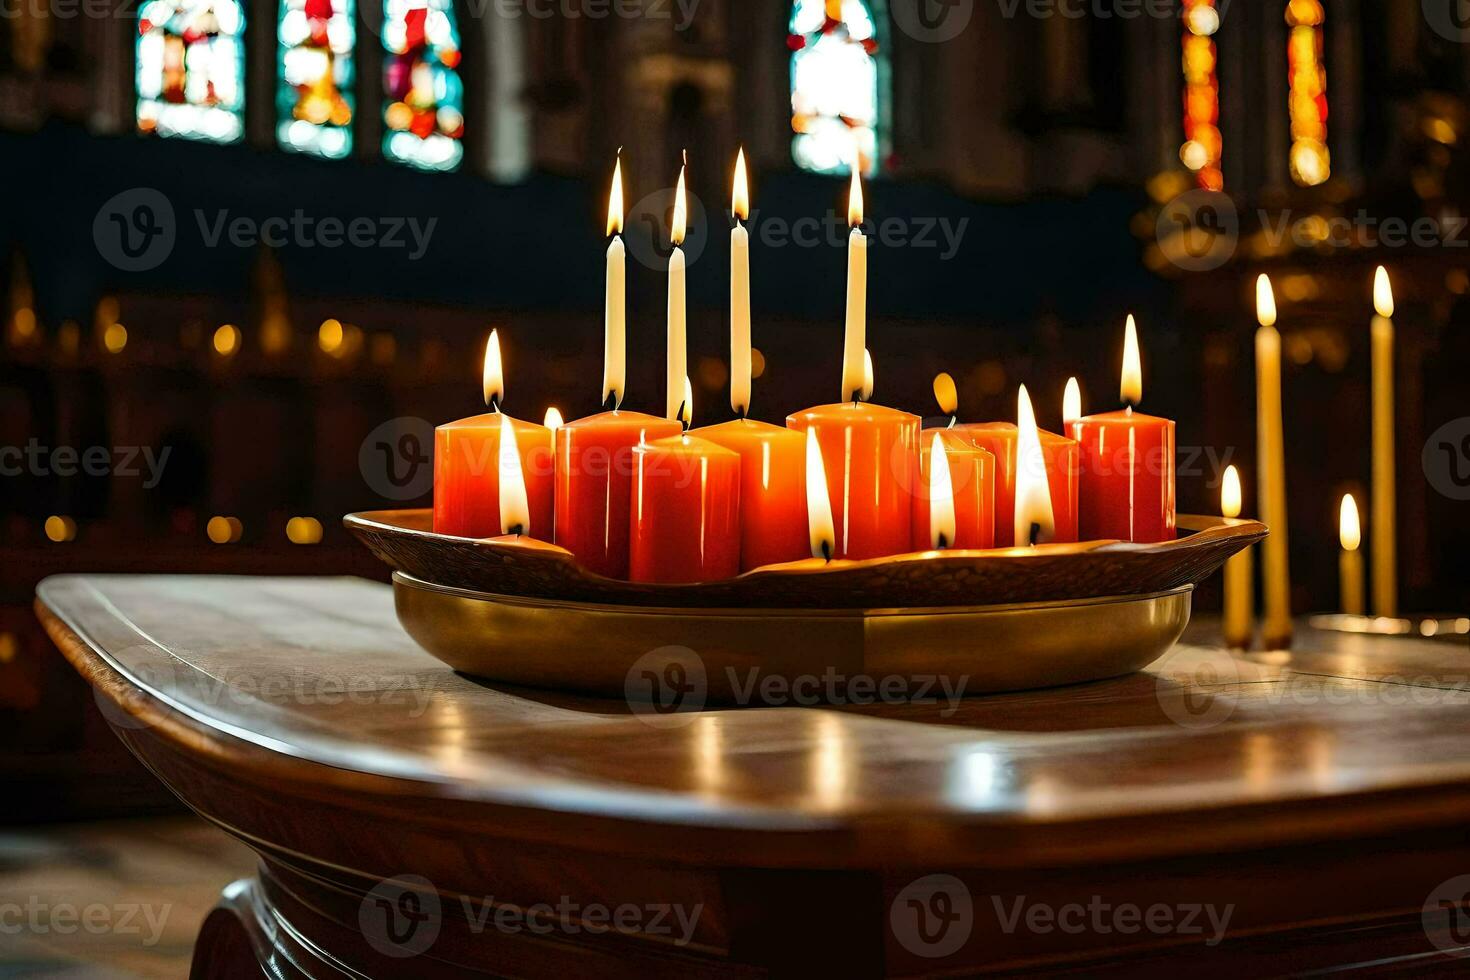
{"x": 1324, "y": 789}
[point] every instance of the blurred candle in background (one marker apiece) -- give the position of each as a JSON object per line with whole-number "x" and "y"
{"x": 1239, "y": 617}
{"x": 1384, "y": 524}
{"x": 1350, "y": 559}
{"x": 1127, "y": 483}
{"x": 1271, "y": 464}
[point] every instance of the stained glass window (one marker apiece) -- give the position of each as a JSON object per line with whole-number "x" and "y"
{"x": 836, "y": 82}
{"x": 191, "y": 69}
{"x": 314, "y": 101}
{"x": 1307, "y": 78}
{"x": 1202, "y": 141}
{"x": 424, "y": 112}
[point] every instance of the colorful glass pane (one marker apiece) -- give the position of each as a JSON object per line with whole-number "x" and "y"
{"x": 1310, "y": 161}
{"x": 836, "y": 78}
{"x": 314, "y": 100}
{"x": 423, "y": 115}
{"x": 1202, "y": 141}
{"x": 191, "y": 69}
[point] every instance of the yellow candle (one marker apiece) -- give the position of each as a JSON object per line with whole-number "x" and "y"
{"x": 1271, "y": 463}
{"x": 1240, "y": 616}
{"x": 854, "y": 348}
{"x": 615, "y": 306}
{"x": 740, "y": 293}
{"x": 677, "y": 360}
{"x": 1350, "y": 560}
{"x": 1385, "y": 547}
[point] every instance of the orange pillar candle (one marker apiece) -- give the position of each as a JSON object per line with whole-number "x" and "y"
{"x": 1060, "y": 456}
{"x": 467, "y": 465}
{"x": 1127, "y": 464}
{"x": 971, "y": 486}
{"x": 684, "y": 522}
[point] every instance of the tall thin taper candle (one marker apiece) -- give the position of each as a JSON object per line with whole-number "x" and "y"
{"x": 1383, "y": 528}
{"x": 1350, "y": 559}
{"x": 1271, "y": 464}
{"x": 740, "y": 292}
{"x": 1240, "y": 600}
{"x": 854, "y": 346}
{"x": 678, "y": 356}
{"x": 615, "y": 307}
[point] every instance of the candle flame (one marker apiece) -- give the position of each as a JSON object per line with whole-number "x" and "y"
{"x": 740, "y": 196}
{"x": 1130, "y": 388}
{"x": 941, "y": 497}
{"x": 867, "y": 391}
{"x": 1071, "y": 402}
{"x": 855, "y": 199}
{"x": 818, "y": 504}
{"x": 1230, "y": 493}
{"x": 1265, "y": 302}
{"x": 615, "y": 199}
{"x": 553, "y": 419}
{"x": 945, "y": 393}
{"x": 1034, "y": 520}
{"x": 1349, "y": 529}
{"x": 515, "y": 513}
{"x": 686, "y": 408}
{"x": 493, "y": 379}
{"x": 681, "y": 211}
{"x": 1382, "y": 293}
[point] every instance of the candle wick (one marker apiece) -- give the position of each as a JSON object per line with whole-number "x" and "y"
{"x": 517, "y": 530}
{"x": 610, "y": 403}
{"x": 495, "y": 403}
{"x": 740, "y": 412}
{"x": 1128, "y": 406}
{"x": 827, "y": 551}
{"x": 943, "y": 542}
{"x": 680, "y": 416}
{"x": 952, "y": 420}
{"x": 1035, "y": 532}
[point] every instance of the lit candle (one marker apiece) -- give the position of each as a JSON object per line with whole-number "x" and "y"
{"x": 821, "y": 536}
{"x": 773, "y": 516}
{"x": 1239, "y": 589}
{"x": 515, "y": 512}
{"x": 1271, "y": 462}
{"x": 1385, "y": 547}
{"x": 1127, "y": 485}
{"x": 1060, "y": 456}
{"x": 963, "y": 488}
{"x": 854, "y": 349}
{"x": 615, "y": 310}
{"x": 1350, "y": 559}
{"x": 470, "y": 455}
{"x": 1071, "y": 404}
{"x": 1034, "y": 521}
{"x": 677, "y": 366}
{"x": 594, "y": 455}
{"x": 684, "y": 525}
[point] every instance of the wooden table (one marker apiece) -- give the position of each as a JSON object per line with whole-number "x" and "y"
{"x": 1222, "y": 814}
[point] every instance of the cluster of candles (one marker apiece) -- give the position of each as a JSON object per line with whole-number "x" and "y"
{"x": 646, "y": 498}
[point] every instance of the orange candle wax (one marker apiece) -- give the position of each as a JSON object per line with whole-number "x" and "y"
{"x": 467, "y": 476}
{"x": 972, "y": 480}
{"x": 1061, "y": 457}
{"x": 684, "y": 519}
{"x": 1127, "y": 476}
{"x": 594, "y": 479}
{"x": 773, "y": 518}
{"x": 871, "y": 456}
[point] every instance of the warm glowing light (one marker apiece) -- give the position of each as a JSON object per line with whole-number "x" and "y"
{"x": 493, "y": 378}
{"x": 227, "y": 339}
{"x": 1035, "y": 522}
{"x": 941, "y": 496}
{"x": 553, "y": 420}
{"x": 1203, "y": 143}
{"x": 1309, "y": 159}
{"x": 855, "y": 200}
{"x": 1130, "y": 388}
{"x": 60, "y": 529}
{"x": 1382, "y": 293}
{"x": 224, "y": 530}
{"x": 615, "y": 200}
{"x": 686, "y": 407}
{"x": 818, "y": 505}
{"x": 329, "y": 335}
{"x": 115, "y": 338}
{"x": 1071, "y": 402}
{"x": 740, "y": 195}
{"x": 304, "y": 530}
{"x": 681, "y": 212}
{"x": 515, "y": 512}
{"x": 1349, "y": 529}
{"x": 945, "y": 393}
{"x": 1230, "y": 493}
{"x": 867, "y": 390}
{"x": 1265, "y": 301}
